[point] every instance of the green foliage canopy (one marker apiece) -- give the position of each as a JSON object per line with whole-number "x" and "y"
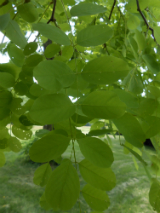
{"x": 103, "y": 54}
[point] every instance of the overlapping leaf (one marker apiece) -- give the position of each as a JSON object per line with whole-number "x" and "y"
{"x": 48, "y": 147}
{"x": 105, "y": 70}
{"x": 100, "y": 178}
{"x": 63, "y": 187}
{"x": 96, "y": 151}
{"x": 103, "y": 104}
{"x": 52, "y": 108}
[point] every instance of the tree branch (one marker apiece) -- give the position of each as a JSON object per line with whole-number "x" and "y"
{"x": 112, "y": 9}
{"x": 52, "y": 19}
{"x": 145, "y": 20}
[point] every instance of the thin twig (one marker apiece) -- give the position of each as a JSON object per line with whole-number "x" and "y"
{"x": 145, "y": 20}
{"x": 114, "y": 3}
{"x": 52, "y": 19}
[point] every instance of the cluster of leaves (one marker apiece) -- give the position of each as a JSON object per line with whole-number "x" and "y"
{"x": 105, "y": 54}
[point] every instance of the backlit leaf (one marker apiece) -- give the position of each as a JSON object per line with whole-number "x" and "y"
{"x": 63, "y": 187}
{"x": 30, "y": 48}
{"x": 105, "y": 70}
{"x": 87, "y": 8}
{"x": 14, "y": 33}
{"x": 129, "y": 126}
{"x": 14, "y": 144}
{"x": 52, "y": 32}
{"x": 52, "y": 108}
{"x": 4, "y": 21}
{"x": 103, "y": 104}
{"x": 6, "y": 80}
{"x": 42, "y": 174}
{"x": 96, "y": 151}
{"x": 48, "y": 147}
{"x": 94, "y": 35}
{"x": 97, "y": 199}
{"x": 28, "y": 12}
{"x": 154, "y": 195}
{"x": 54, "y": 75}
{"x": 100, "y": 178}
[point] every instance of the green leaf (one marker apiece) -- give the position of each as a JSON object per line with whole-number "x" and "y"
{"x": 42, "y": 174}
{"x": 28, "y": 12}
{"x": 5, "y": 98}
{"x": 136, "y": 155}
{"x": 14, "y": 33}
{"x": 4, "y": 21}
{"x": 150, "y": 125}
{"x": 30, "y": 48}
{"x": 100, "y": 178}
{"x": 129, "y": 126}
{"x": 6, "y": 80}
{"x": 105, "y": 70}
{"x": 54, "y": 75}
{"x": 3, "y": 143}
{"x": 147, "y": 106}
{"x": 67, "y": 52}
{"x": 53, "y": 33}
{"x": 133, "y": 21}
{"x": 154, "y": 195}
{"x": 133, "y": 82}
{"x": 151, "y": 63}
{"x": 2, "y": 159}
{"x": 140, "y": 39}
{"x": 87, "y": 9}
{"x": 96, "y": 199}
{"x": 14, "y": 144}
{"x": 96, "y": 151}
{"x": 15, "y": 54}
{"x": 43, "y": 203}
{"x": 131, "y": 101}
{"x": 94, "y": 35}
{"x": 51, "y": 50}
{"x": 34, "y": 60}
{"x": 155, "y": 91}
{"x": 103, "y": 104}
{"x": 99, "y": 132}
{"x": 157, "y": 34}
{"x": 63, "y": 187}
{"x": 52, "y": 108}
{"x": 79, "y": 119}
{"x": 48, "y": 147}
{"x": 21, "y": 133}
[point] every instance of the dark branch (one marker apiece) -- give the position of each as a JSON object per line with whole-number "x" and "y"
{"x": 114, "y": 3}
{"x": 145, "y": 20}
{"x": 52, "y": 19}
